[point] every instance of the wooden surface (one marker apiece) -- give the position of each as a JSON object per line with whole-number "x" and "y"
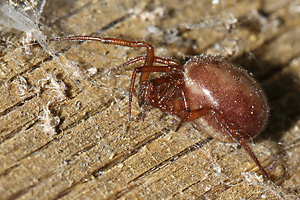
{"x": 63, "y": 120}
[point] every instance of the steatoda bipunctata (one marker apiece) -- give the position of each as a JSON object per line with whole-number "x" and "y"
{"x": 221, "y": 98}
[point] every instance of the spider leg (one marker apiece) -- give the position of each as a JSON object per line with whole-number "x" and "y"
{"x": 129, "y": 62}
{"x": 159, "y": 60}
{"x": 168, "y": 62}
{"x": 235, "y": 134}
{"x": 187, "y": 111}
{"x": 149, "y": 58}
{"x": 114, "y": 41}
{"x": 146, "y": 100}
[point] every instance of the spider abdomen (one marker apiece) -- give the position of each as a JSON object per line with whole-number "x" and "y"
{"x": 213, "y": 82}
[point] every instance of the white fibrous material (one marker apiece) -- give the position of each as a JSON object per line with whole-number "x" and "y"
{"x": 25, "y": 18}
{"x": 49, "y": 121}
{"x": 21, "y": 19}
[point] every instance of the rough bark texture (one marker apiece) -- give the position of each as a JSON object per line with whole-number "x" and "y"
{"x": 63, "y": 120}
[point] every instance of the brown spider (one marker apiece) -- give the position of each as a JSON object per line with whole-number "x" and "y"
{"x": 221, "y": 98}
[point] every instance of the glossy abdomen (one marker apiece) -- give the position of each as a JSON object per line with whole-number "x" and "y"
{"x": 213, "y": 82}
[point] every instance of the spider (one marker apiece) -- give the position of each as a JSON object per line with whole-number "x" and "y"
{"x": 219, "y": 97}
